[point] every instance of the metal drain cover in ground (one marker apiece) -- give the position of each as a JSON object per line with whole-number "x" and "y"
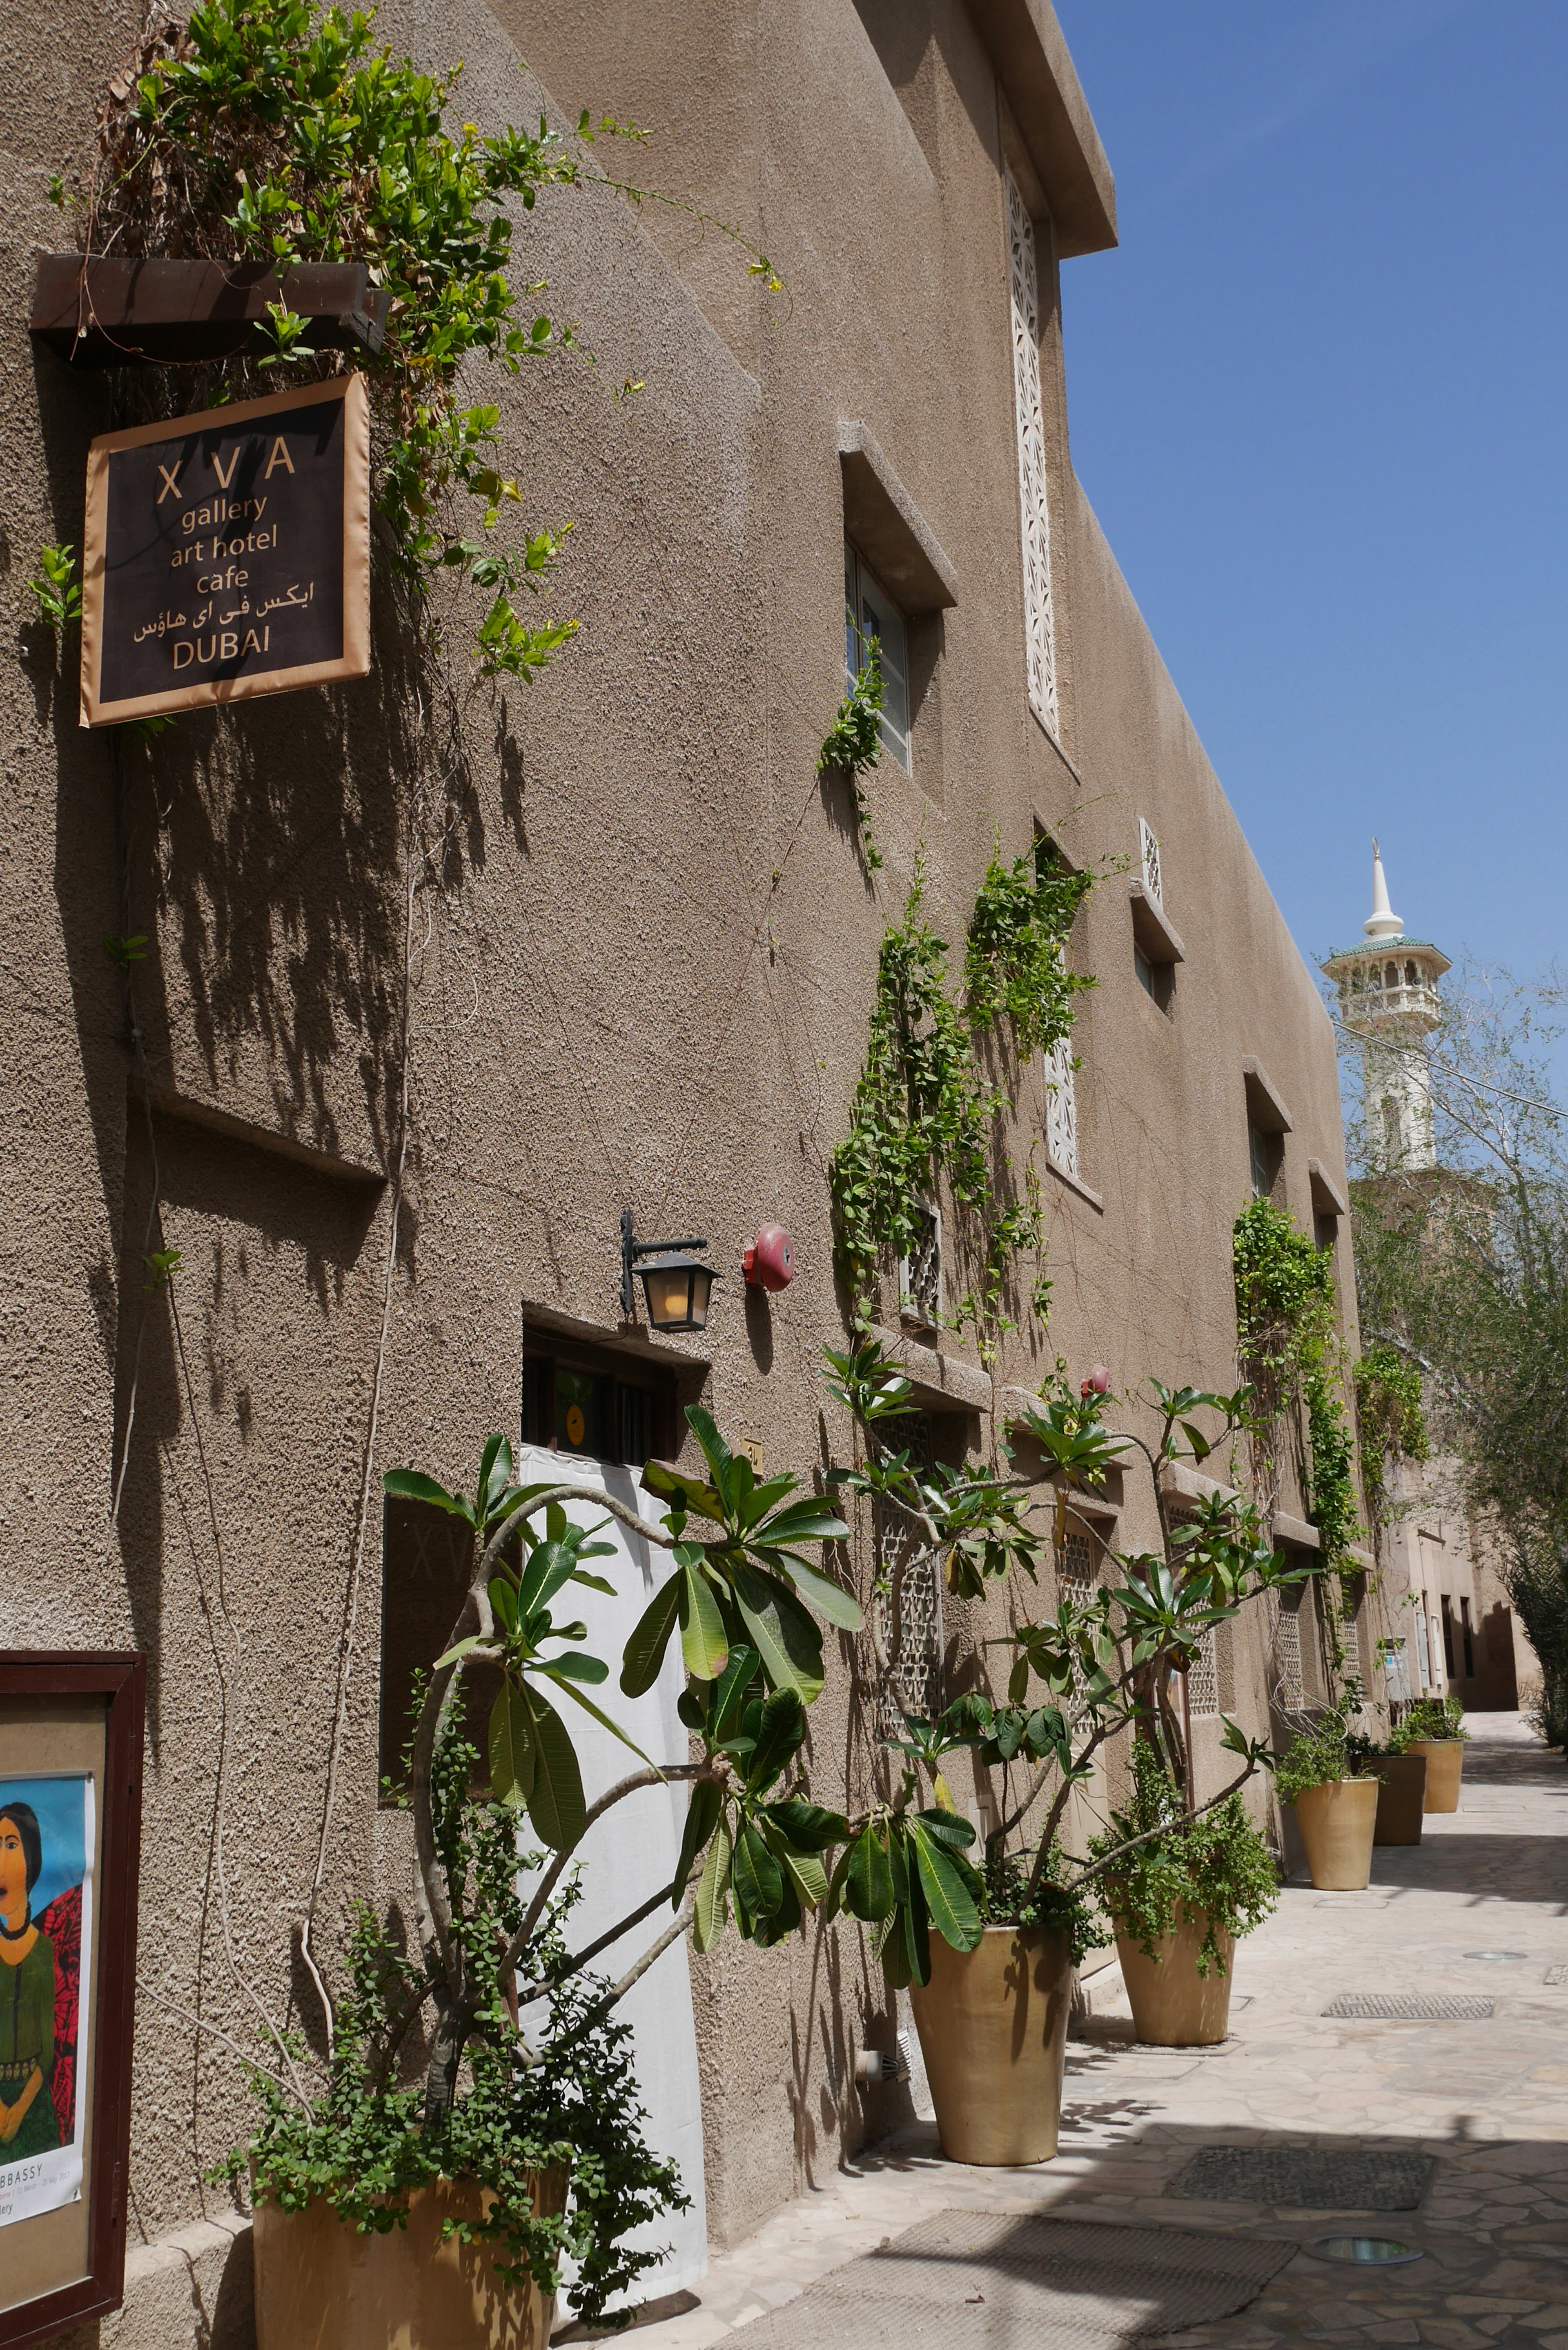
{"x": 1351, "y": 2179}
{"x": 992, "y": 2279}
{"x": 1412, "y": 2007}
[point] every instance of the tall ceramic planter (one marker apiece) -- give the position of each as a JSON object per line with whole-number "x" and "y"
{"x": 1337, "y": 1822}
{"x": 1445, "y": 1768}
{"x": 1401, "y": 1793}
{"x": 1173, "y": 2005}
{"x": 320, "y": 2285}
{"x": 993, "y": 2028}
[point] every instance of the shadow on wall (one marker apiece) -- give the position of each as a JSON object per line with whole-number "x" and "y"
{"x": 265, "y": 1245}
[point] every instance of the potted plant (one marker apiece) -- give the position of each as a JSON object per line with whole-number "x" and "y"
{"x": 479, "y": 2119}
{"x": 1182, "y": 1894}
{"x": 1434, "y": 1728}
{"x": 992, "y": 2006}
{"x": 1401, "y": 1781}
{"x": 1335, "y": 1803}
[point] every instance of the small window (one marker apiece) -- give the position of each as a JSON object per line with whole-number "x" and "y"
{"x": 1466, "y": 1631}
{"x": 870, "y": 613}
{"x": 594, "y": 1401}
{"x": 1144, "y": 968}
{"x": 1260, "y": 1156}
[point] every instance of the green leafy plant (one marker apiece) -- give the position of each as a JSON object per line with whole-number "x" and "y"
{"x": 57, "y": 587}
{"x": 1219, "y": 1866}
{"x": 1321, "y": 1754}
{"x": 1015, "y": 967}
{"x": 1389, "y": 1421}
{"x": 1288, "y": 1344}
{"x": 926, "y": 1115}
{"x": 1429, "y": 1717}
{"x": 853, "y": 742}
{"x": 281, "y": 131}
{"x": 367, "y": 2140}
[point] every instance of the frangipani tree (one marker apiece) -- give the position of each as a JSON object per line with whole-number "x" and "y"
{"x": 523, "y": 2061}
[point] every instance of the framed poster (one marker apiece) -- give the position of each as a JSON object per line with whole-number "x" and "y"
{"x": 228, "y": 554}
{"x": 71, "y": 1826}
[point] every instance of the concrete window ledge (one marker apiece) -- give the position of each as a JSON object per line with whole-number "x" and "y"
{"x": 1283, "y": 1528}
{"x": 1075, "y": 1183}
{"x": 1327, "y": 1192}
{"x": 890, "y": 529}
{"x": 1265, "y": 1103}
{"x": 1365, "y": 1562}
{"x": 1159, "y": 942}
{"x": 1178, "y": 1483}
{"x": 941, "y": 1382}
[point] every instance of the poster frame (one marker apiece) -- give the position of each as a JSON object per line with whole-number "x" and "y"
{"x": 120, "y": 1676}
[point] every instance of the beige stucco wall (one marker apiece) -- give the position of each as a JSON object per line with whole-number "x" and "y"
{"x": 640, "y": 976}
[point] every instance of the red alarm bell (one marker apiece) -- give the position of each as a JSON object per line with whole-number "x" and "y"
{"x": 769, "y": 1262}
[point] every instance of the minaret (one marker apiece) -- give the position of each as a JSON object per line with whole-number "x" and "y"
{"x": 1388, "y": 1000}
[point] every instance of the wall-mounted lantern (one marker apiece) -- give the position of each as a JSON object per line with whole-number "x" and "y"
{"x": 676, "y": 1285}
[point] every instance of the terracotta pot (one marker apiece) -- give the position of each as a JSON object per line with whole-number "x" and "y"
{"x": 1336, "y": 1823}
{"x": 1401, "y": 1793}
{"x": 1445, "y": 1768}
{"x": 1173, "y": 2005}
{"x": 320, "y": 2285}
{"x": 993, "y": 2028}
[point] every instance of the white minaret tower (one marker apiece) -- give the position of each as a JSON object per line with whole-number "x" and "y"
{"x": 1388, "y": 1000}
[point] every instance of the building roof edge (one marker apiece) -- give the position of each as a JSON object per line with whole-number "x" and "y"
{"x": 1041, "y": 83}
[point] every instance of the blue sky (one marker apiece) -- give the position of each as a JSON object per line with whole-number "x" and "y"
{"x": 1319, "y": 400}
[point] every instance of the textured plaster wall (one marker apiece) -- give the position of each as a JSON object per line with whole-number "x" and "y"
{"x": 644, "y": 981}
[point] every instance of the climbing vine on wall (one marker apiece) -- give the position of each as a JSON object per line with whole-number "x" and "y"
{"x": 1288, "y": 1340}
{"x": 926, "y": 1113}
{"x": 854, "y": 744}
{"x": 271, "y": 131}
{"x": 1389, "y": 1421}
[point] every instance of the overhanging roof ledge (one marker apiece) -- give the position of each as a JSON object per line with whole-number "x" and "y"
{"x": 1041, "y": 85}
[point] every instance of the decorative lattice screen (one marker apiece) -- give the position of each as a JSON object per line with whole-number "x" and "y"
{"x": 1039, "y": 648}
{"x": 1148, "y": 847}
{"x": 908, "y": 1605}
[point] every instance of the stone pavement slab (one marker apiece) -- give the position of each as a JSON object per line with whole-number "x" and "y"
{"x": 1485, "y": 2098}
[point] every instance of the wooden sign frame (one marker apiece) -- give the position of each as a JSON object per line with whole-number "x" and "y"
{"x": 132, "y": 561}
{"x": 119, "y": 1681}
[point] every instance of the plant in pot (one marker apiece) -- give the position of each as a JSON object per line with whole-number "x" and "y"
{"x": 992, "y": 2007}
{"x": 1401, "y": 1778}
{"x": 1183, "y": 1893}
{"x": 479, "y": 2119}
{"x": 1321, "y": 1776}
{"x": 1434, "y": 1728}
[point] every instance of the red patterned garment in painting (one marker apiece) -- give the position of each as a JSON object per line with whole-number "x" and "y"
{"x": 62, "y": 1922}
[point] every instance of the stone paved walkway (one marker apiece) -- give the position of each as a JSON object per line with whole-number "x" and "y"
{"x": 1489, "y": 2100}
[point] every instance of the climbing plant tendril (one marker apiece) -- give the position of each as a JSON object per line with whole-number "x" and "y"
{"x": 926, "y": 1115}
{"x": 270, "y": 131}
{"x": 1290, "y": 1349}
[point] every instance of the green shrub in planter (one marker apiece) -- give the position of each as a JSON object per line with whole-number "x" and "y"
{"x": 1428, "y": 1717}
{"x": 1217, "y": 1863}
{"x": 1320, "y": 1756}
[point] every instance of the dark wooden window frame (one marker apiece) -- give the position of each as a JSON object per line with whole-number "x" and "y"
{"x": 546, "y": 1350}
{"x": 121, "y": 1679}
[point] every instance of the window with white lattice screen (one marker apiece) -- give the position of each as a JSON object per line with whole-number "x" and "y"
{"x": 920, "y": 1273}
{"x": 1148, "y": 858}
{"x": 1039, "y": 628}
{"x": 908, "y": 1604}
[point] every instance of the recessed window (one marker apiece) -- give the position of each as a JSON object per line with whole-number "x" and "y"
{"x": 594, "y": 1402}
{"x": 870, "y": 616}
{"x": 1260, "y": 1158}
{"x": 1144, "y": 968}
{"x": 920, "y": 1273}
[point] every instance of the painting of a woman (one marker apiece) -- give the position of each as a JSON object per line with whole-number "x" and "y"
{"x": 28, "y": 2123}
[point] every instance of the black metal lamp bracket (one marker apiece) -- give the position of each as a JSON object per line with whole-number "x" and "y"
{"x": 631, "y": 1249}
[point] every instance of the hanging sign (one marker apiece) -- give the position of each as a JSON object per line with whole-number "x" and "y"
{"x": 228, "y": 554}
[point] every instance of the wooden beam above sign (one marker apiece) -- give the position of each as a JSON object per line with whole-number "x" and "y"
{"x": 140, "y": 313}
